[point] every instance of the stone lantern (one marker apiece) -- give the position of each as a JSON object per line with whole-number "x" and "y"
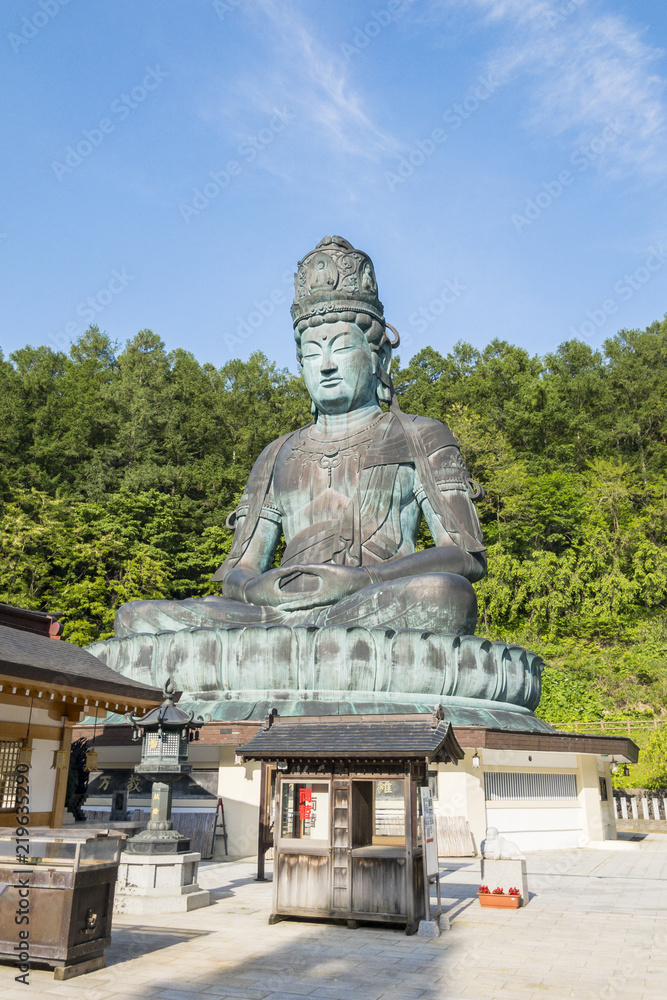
{"x": 165, "y": 733}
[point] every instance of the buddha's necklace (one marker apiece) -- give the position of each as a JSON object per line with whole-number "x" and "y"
{"x": 328, "y": 453}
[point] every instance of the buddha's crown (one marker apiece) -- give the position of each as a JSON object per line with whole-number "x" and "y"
{"x": 334, "y": 277}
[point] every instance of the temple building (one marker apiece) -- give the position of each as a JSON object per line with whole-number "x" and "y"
{"x": 47, "y": 686}
{"x": 545, "y": 790}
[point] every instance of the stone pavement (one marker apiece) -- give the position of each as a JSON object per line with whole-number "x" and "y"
{"x": 595, "y": 929}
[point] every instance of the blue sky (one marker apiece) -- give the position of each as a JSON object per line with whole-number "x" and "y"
{"x": 166, "y": 164}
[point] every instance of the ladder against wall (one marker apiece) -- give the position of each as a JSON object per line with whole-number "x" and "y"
{"x": 454, "y": 837}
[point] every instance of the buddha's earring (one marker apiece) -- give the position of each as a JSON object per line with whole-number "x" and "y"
{"x": 384, "y": 389}
{"x": 383, "y": 393}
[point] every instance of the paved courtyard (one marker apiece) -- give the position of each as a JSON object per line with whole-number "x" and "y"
{"x": 596, "y": 927}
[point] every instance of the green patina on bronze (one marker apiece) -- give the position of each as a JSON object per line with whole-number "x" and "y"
{"x": 347, "y": 492}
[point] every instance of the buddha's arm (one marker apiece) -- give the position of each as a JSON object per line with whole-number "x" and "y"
{"x": 441, "y": 559}
{"x": 254, "y": 562}
{"x": 449, "y": 555}
{"x": 337, "y": 582}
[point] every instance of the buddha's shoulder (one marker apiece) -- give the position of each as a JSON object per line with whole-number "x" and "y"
{"x": 434, "y": 434}
{"x": 267, "y": 458}
{"x": 394, "y": 444}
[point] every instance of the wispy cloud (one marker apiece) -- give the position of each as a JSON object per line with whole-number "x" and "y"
{"x": 586, "y": 67}
{"x": 312, "y": 80}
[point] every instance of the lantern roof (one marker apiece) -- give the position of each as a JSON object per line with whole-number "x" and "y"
{"x": 167, "y": 714}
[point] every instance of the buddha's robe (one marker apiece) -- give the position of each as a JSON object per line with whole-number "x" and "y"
{"x": 354, "y": 501}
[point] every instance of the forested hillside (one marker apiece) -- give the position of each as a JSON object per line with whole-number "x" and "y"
{"x": 119, "y": 467}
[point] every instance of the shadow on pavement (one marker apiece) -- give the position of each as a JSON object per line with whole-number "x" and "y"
{"x": 131, "y": 941}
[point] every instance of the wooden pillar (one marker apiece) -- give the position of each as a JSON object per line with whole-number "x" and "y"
{"x": 61, "y": 778}
{"x": 409, "y": 857}
{"x": 274, "y": 918}
{"x": 340, "y": 839}
{"x": 262, "y": 834}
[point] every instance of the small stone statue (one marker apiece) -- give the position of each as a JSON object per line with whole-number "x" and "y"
{"x": 496, "y": 848}
{"x": 347, "y": 492}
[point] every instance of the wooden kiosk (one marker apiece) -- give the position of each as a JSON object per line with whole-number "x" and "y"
{"x": 348, "y": 841}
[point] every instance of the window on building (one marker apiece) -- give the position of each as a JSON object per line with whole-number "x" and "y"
{"x": 305, "y": 810}
{"x": 603, "y": 790}
{"x": 378, "y": 812}
{"x": 513, "y": 785}
{"x": 389, "y": 812}
{"x": 9, "y": 758}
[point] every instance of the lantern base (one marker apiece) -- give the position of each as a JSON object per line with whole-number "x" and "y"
{"x": 159, "y": 884}
{"x": 158, "y": 842}
{"x": 159, "y": 837}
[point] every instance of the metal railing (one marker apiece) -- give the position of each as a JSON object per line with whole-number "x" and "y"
{"x": 610, "y": 726}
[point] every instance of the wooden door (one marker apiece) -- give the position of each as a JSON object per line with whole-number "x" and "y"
{"x": 340, "y": 841}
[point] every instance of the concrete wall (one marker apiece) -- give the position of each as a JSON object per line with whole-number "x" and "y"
{"x": 532, "y": 824}
{"x": 238, "y": 786}
{"x": 608, "y": 815}
{"x": 461, "y": 793}
{"x": 538, "y": 828}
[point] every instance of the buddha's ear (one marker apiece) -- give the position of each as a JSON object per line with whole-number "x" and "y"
{"x": 384, "y": 388}
{"x": 384, "y": 357}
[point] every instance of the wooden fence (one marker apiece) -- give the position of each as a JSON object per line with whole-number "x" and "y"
{"x": 198, "y": 826}
{"x": 454, "y": 837}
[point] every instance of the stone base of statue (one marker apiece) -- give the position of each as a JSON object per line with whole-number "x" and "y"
{"x": 159, "y": 883}
{"x": 158, "y": 842}
{"x": 159, "y": 837}
{"x": 243, "y": 672}
{"x": 506, "y": 874}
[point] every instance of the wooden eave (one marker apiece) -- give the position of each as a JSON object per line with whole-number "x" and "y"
{"x": 73, "y": 701}
{"x": 468, "y": 737}
{"x": 364, "y": 740}
{"x": 115, "y": 734}
{"x": 622, "y": 748}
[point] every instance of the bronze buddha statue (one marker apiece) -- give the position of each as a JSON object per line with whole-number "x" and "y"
{"x": 347, "y": 491}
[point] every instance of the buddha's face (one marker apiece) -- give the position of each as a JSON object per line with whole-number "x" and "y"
{"x": 338, "y": 367}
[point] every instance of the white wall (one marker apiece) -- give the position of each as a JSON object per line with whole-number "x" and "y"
{"x": 239, "y": 786}
{"x": 532, "y": 825}
{"x": 21, "y": 713}
{"x": 42, "y": 775}
{"x": 538, "y": 828}
{"x": 608, "y": 814}
{"x": 508, "y": 760}
{"x": 461, "y": 793}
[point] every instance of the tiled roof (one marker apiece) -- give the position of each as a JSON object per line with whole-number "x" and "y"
{"x": 52, "y": 661}
{"x": 353, "y": 739}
